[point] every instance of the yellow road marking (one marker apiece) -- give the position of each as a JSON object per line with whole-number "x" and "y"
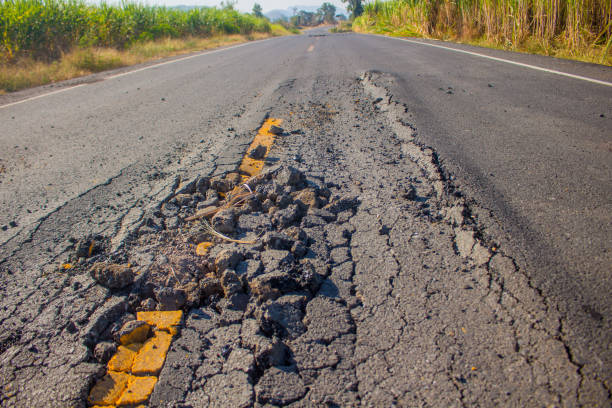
{"x": 108, "y": 390}
{"x": 162, "y": 320}
{"x": 124, "y": 358}
{"x": 138, "y": 390}
{"x": 132, "y": 371}
{"x": 152, "y": 356}
{"x": 252, "y": 167}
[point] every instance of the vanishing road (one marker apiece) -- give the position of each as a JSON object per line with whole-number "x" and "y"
{"x": 479, "y": 256}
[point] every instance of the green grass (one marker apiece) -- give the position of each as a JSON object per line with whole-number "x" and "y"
{"x": 577, "y": 29}
{"x": 44, "y": 41}
{"x": 46, "y": 29}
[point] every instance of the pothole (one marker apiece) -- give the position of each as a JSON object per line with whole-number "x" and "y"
{"x": 243, "y": 245}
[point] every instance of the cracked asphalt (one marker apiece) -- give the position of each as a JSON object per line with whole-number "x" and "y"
{"x": 449, "y": 279}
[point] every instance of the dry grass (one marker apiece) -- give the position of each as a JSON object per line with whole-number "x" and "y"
{"x": 27, "y": 73}
{"x": 573, "y": 29}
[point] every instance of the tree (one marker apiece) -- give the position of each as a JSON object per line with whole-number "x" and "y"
{"x": 355, "y": 7}
{"x": 257, "y": 10}
{"x": 304, "y": 18}
{"x": 327, "y": 12}
{"x": 228, "y": 4}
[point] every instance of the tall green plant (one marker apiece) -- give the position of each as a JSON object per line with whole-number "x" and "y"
{"x": 44, "y": 29}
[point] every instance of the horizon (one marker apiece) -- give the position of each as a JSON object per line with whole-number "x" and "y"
{"x": 246, "y": 6}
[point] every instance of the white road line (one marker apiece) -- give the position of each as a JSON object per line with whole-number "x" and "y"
{"x": 182, "y": 59}
{"x": 136, "y": 70}
{"x": 520, "y": 64}
{"x": 40, "y": 96}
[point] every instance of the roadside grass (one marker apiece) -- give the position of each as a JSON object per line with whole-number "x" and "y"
{"x": 27, "y": 72}
{"x": 579, "y": 30}
{"x": 342, "y": 27}
{"x": 44, "y": 41}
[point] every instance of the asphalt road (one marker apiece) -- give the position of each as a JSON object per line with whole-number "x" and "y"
{"x": 529, "y": 150}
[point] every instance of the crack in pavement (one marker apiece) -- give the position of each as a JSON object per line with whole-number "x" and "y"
{"x": 413, "y": 304}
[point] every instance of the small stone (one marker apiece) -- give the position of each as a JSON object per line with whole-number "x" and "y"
{"x": 480, "y": 254}
{"x": 169, "y": 209}
{"x": 170, "y": 298}
{"x": 230, "y": 282}
{"x": 210, "y": 287}
{"x": 193, "y": 292}
{"x": 310, "y": 221}
{"x": 270, "y": 190}
{"x": 298, "y": 249}
{"x": 287, "y": 216}
{"x": 319, "y": 212}
{"x": 266, "y": 205}
{"x": 187, "y": 186}
{"x": 112, "y": 276}
{"x": 289, "y": 176}
{"x": 277, "y": 240}
{"x": 297, "y": 234}
{"x": 86, "y": 248}
{"x": 222, "y": 185}
{"x": 234, "y": 179}
{"x": 283, "y": 200}
{"x": 249, "y": 269}
{"x": 408, "y": 192}
{"x": 276, "y": 130}
{"x": 274, "y": 259}
{"x": 173, "y": 223}
{"x": 212, "y": 194}
{"x": 283, "y": 317}
{"x": 228, "y": 258}
{"x": 183, "y": 200}
{"x": 104, "y": 351}
{"x": 147, "y": 305}
{"x": 224, "y": 221}
{"x": 343, "y": 203}
{"x": 270, "y": 286}
{"x": 464, "y": 241}
{"x": 307, "y": 198}
{"x": 259, "y": 152}
{"x": 202, "y": 185}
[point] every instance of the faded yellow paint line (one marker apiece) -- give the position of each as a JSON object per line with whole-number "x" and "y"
{"x": 108, "y": 390}
{"x": 124, "y": 358}
{"x": 311, "y": 48}
{"x": 152, "y": 356}
{"x": 162, "y": 320}
{"x": 137, "y": 391}
{"x": 250, "y": 166}
{"x": 132, "y": 371}
{"x": 138, "y": 335}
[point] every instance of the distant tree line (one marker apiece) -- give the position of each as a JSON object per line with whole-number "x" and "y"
{"x": 326, "y": 14}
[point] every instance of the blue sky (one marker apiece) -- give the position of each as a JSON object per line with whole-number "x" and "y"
{"x": 247, "y": 5}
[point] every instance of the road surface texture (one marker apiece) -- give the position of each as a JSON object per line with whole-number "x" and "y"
{"x": 435, "y": 228}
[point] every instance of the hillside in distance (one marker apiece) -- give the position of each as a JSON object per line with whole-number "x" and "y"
{"x": 288, "y": 12}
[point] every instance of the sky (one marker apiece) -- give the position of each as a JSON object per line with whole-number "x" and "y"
{"x": 247, "y": 5}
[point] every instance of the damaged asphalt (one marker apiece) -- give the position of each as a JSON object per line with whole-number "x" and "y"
{"x": 376, "y": 277}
